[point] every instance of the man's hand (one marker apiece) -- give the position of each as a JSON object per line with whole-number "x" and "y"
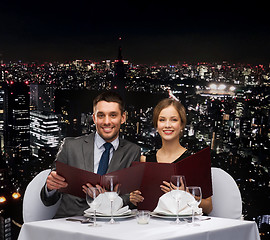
{"x": 55, "y": 181}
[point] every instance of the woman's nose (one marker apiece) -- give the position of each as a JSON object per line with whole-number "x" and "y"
{"x": 168, "y": 123}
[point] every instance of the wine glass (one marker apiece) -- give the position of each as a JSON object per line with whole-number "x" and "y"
{"x": 177, "y": 183}
{"x": 196, "y": 192}
{"x": 112, "y": 189}
{"x": 91, "y": 194}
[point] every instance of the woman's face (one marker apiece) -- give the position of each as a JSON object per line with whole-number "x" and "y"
{"x": 169, "y": 123}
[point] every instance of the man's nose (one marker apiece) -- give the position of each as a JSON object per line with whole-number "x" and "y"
{"x": 107, "y": 120}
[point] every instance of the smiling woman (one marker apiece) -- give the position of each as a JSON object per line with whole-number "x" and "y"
{"x": 169, "y": 118}
{"x": 169, "y": 124}
{"x": 179, "y": 112}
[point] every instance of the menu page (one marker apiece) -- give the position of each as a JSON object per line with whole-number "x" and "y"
{"x": 146, "y": 177}
{"x": 130, "y": 178}
{"x": 196, "y": 169}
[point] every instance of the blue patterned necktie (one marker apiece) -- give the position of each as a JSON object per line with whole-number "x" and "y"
{"x": 104, "y": 160}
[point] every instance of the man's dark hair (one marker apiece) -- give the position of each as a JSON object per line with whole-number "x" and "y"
{"x": 110, "y": 96}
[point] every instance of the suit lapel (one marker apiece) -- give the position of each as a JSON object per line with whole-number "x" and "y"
{"x": 88, "y": 152}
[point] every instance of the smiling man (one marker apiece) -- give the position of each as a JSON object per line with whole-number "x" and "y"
{"x": 100, "y": 152}
{"x": 108, "y": 117}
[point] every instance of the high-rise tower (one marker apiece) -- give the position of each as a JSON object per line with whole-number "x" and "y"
{"x": 44, "y": 124}
{"x": 118, "y": 82}
{"x": 16, "y": 123}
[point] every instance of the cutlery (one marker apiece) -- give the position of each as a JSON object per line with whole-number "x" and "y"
{"x": 87, "y": 220}
{"x": 208, "y": 218}
{"x": 203, "y": 219}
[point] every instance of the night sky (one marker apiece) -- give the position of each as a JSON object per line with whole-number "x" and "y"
{"x": 163, "y": 32}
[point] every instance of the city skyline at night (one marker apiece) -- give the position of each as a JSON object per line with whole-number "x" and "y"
{"x": 228, "y": 109}
{"x": 213, "y": 57}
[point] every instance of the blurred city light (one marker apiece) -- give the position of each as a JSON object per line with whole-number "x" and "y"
{"x": 2, "y": 199}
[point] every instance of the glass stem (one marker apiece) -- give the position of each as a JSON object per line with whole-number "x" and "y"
{"x": 112, "y": 212}
{"x": 192, "y": 215}
{"x": 95, "y": 219}
{"x": 177, "y": 217}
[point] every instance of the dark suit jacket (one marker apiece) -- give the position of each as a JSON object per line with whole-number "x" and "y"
{"x": 79, "y": 152}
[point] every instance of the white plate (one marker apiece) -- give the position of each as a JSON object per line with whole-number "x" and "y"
{"x": 127, "y": 215}
{"x": 167, "y": 216}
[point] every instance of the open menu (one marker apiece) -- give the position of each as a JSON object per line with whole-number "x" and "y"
{"x": 129, "y": 178}
{"x": 146, "y": 177}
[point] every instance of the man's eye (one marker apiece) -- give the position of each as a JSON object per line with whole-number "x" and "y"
{"x": 114, "y": 115}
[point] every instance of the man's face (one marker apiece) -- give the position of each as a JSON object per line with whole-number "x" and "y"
{"x": 108, "y": 119}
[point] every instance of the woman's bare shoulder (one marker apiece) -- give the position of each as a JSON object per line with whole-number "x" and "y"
{"x": 143, "y": 158}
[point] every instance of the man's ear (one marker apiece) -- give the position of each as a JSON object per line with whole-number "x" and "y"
{"x": 94, "y": 117}
{"x": 123, "y": 118}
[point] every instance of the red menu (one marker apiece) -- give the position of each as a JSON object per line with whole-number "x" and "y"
{"x": 196, "y": 169}
{"x": 129, "y": 178}
{"x": 146, "y": 177}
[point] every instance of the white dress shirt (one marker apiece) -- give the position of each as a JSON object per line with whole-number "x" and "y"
{"x": 99, "y": 149}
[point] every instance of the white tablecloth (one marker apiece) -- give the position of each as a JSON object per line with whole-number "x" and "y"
{"x": 216, "y": 228}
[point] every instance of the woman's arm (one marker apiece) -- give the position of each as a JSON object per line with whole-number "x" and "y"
{"x": 206, "y": 205}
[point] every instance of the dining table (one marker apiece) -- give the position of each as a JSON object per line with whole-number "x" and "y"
{"x": 210, "y": 228}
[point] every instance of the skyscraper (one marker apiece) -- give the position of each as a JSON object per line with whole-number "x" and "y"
{"x": 119, "y": 81}
{"x": 42, "y": 97}
{"x": 16, "y": 123}
{"x": 2, "y": 115}
{"x": 44, "y": 124}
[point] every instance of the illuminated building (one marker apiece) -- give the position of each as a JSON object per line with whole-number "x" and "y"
{"x": 10, "y": 201}
{"x": 44, "y": 123}
{"x": 17, "y": 121}
{"x": 2, "y": 116}
{"x": 15, "y": 137}
{"x": 217, "y": 90}
{"x": 42, "y": 97}
{"x": 45, "y": 130}
{"x": 118, "y": 82}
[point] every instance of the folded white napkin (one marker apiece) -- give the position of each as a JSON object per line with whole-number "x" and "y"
{"x": 103, "y": 206}
{"x": 167, "y": 205}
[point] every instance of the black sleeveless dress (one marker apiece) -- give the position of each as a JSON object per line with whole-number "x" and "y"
{"x": 153, "y": 157}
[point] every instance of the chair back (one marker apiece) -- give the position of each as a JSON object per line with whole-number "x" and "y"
{"x": 226, "y": 199}
{"x": 33, "y": 207}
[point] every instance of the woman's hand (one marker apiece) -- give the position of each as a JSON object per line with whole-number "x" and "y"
{"x": 136, "y": 197}
{"x": 167, "y": 187}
